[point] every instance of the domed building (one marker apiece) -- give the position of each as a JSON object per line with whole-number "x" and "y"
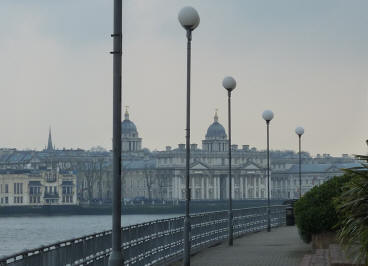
{"x": 216, "y": 138}
{"x": 129, "y": 135}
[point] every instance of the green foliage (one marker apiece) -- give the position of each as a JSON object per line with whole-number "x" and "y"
{"x": 315, "y": 212}
{"x": 352, "y": 208}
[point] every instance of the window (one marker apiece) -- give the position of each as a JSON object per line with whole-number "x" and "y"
{"x": 21, "y": 188}
{"x": 6, "y": 200}
{"x": 6, "y": 189}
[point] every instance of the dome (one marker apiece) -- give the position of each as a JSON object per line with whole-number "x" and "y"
{"x": 216, "y": 130}
{"x": 128, "y": 127}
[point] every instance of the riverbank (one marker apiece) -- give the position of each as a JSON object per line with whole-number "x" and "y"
{"x": 99, "y": 209}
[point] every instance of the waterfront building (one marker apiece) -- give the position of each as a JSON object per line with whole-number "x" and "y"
{"x": 35, "y": 187}
{"x": 161, "y": 174}
{"x": 285, "y": 183}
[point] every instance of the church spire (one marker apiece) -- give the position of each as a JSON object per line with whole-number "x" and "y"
{"x": 49, "y": 143}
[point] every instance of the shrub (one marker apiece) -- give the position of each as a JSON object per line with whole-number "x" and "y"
{"x": 352, "y": 208}
{"x": 315, "y": 212}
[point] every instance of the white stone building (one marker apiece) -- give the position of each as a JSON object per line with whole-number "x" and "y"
{"x": 161, "y": 174}
{"x": 30, "y": 187}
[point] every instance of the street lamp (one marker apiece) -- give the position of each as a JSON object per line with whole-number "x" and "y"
{"x": 116, "y": 257}
{"x": 229, "y": 84}
{"x": 267, "y": 116}
{"x": 300, "y": 131}
{"x": 189, "y": 19}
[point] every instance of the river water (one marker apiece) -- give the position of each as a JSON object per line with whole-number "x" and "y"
{"x": 19, "y": 233}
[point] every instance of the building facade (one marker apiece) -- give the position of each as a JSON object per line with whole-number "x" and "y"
{"x": 32, "y": 187}
{"x": 161, "y": 174}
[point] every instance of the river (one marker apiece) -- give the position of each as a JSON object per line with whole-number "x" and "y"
{"x": 19, "y": 233}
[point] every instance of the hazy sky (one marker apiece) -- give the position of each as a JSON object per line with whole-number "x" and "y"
{"x": 305, "y": 60}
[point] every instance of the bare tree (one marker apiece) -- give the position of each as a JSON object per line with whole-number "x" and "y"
{"x": 149, "y": 176}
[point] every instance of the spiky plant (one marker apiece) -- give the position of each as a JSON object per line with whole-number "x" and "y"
{"x": 352, "y": 208}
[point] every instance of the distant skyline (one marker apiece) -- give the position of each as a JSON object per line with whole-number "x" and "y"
{"x": 307, "y": 61}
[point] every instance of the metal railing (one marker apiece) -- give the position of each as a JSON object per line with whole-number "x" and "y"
{"x": 151, "y": 243}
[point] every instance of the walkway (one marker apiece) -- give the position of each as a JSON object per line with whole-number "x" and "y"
{"x": 282, "y": 247}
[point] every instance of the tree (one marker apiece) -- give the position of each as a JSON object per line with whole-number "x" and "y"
{"x": 352, "y": 207}
{"x": 315, "y": 212}
{"x": 91, "y": 170}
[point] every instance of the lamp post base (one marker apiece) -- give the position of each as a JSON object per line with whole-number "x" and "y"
{"x": 187, "y": 241}
{"x": 116, "y": 259}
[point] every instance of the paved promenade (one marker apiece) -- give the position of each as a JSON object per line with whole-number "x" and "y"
{"x": 282, "y": 247}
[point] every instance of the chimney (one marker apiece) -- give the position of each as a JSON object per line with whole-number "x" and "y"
{"x": 245, "y": 147}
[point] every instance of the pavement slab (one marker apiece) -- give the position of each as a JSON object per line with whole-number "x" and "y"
{"x": 282, "y": 247}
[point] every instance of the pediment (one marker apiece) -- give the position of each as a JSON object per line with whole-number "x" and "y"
{"x": 199, "y": 166}
{"x": 251, "y": 166}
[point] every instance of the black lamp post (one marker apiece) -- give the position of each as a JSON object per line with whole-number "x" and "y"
{"x": 229, "y": 84}
{"x": 300, "y": 131}
{"x": 116, "y": 257}
{"x": 268, "y": 116}
{"x": 189, "y": 19}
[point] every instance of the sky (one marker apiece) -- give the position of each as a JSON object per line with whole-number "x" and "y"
{"x": 307, "y": 61}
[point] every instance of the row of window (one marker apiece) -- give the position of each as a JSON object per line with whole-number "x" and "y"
{"x": 4, "y": 200}
{"x": 18, "y": 188}
{"x": 34, "y": 190}
{"x": 296, "y": 182}
{"x": 224, "y": 161}
{"x": 4, "y": 188}
{"x": 67, "y": 199}
{"x": 237, "y": 194}
{"x": 18, "y": 199}
{"x": 34, "y": 199}
{"x": 250, "y": 181}
{"x": 49, "y": 201}
{"x": 67, "y": 189}
{"x": 51, "y": 189}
